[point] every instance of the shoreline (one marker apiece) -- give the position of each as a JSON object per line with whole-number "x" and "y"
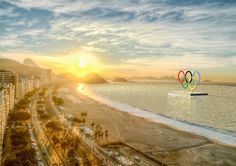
{"x": 213, "y": 134}
{"x": 154, "y": 139}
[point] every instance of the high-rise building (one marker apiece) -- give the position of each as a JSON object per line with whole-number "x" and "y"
{"x": 43, "y": 77}
{"x": 11, "y": 94}
{"x": 21, "y": 88}
{"x": 5, "y": 104}
{"x": 49, "y": 76}
{"x": 8, "y": 77}
{"x": 28, "y": 85}
{"x": 36, "y": 82}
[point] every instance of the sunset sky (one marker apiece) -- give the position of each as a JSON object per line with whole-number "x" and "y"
{"x": 123, "y": 37}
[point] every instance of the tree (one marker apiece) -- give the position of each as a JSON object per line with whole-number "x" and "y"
{"x": 53, "y": 125}
{"x": 71, "y": 153}
{"x": 83, "y": 114}
{"x": 101, "y": 134}
{"x": 42, "y": 93}
{"x": 30, "y": 94}
{"x": 19, "y": 137}
{"x": 44, "y": 116}
{"x": 77, "y": 142}
{"x": 83, "y": 121}
{"x": 106, "y": 133}
{"x": 55, "y": 140}
{"x": 41, "y": 102}
{"x": 54, "y": 92}
{"x": 26, "y": 154}
{"x": 64, "y": 145}
{"x": 76, "y": 120}
{"x": 19, "y": 116}
{"x": 92, "y": 125}
{"x": 58, "y": 101}
{"x": 22, "y": 104}
{"x": 12, "y": 162}
{"x": 40, "y": 111}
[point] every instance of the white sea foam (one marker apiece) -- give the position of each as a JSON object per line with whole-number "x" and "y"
{"x": 215, "y": 135}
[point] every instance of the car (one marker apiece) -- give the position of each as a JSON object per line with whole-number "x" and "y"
{"x": 33, "y": 144}
{"x": 38, "y": 158}
{"x": 40, "y": 163}
{"x": 38, "y": 153}
{"x": 33, "y": 141}
{"x": 136, "y": 158}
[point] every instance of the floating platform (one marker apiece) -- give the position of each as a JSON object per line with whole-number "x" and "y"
{"x": 187, "y": 93}
{"x": 199, "y": 94}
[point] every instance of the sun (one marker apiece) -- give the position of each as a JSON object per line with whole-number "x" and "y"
{"x": 83, "y": 63}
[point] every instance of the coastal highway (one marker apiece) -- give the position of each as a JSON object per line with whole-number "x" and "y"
{"x": 49, "y": 157}
{"x": 41, "y": 158}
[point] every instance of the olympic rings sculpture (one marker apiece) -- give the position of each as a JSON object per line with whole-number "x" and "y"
{"x": 189, "y": 79}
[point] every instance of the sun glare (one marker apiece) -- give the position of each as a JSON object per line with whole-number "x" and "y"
{"x": 83, "y": 63}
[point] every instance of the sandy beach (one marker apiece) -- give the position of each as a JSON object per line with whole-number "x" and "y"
{"x": 160, "y": 142}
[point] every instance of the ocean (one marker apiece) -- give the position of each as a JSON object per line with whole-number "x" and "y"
{"x": 213, "y": 116}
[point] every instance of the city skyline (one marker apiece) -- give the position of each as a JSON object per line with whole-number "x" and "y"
{"x": 125, "y": 38}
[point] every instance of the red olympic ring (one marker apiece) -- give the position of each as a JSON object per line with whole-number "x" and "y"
{"x": 181, "y": 81}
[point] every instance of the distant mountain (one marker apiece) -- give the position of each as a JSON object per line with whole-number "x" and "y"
{"x": 119, "y": 79}
{"x": 93, "y": 78}
{"x": 29, "y": 62}
{"x": 21, "y": 69}
{"x": 143, "y": 78}
{"x": 153, "y": 78}
{"x": 207, "y": 81}
{"x": 172, "y": 78}
{"x": 68, "y": 76}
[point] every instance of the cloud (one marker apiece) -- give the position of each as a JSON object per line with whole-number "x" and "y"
{"x": 10, "y": 43}
{"x": 188, "y": 61}
{"x": 124, "y": 31}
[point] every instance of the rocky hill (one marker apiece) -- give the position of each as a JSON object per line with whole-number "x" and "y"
{"x": 21, "y": 69}
{"x": 29, "y": 62}
{"x": 119, "y": 79}
{"x": 93, "y": 78}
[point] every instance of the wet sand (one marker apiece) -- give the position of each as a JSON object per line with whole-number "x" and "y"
{"x": 167, "y": 145}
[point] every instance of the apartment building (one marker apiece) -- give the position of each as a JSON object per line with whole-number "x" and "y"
{"x": 6, "y": 95}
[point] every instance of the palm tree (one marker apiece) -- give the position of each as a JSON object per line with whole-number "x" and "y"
{"x": 97, "y": 126}
{"x": 92, "y": 125}
{"x": 77, "y": 142}
{"x": 106, "y": 133}
{"x": 64, "y": 146}
{"x": 102, "y": 135}
{"x": 83, "y": 114}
